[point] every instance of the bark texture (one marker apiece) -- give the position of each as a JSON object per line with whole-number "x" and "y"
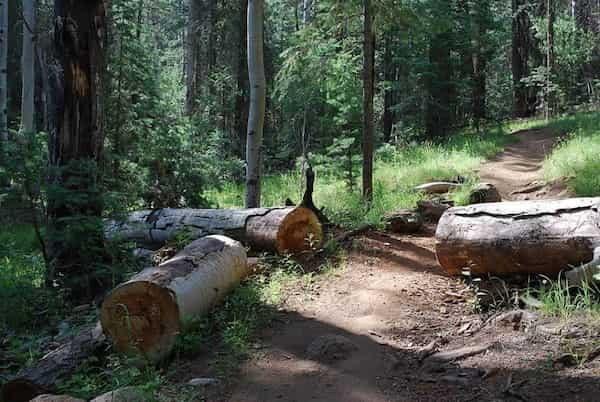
{"x": 368, "y": 92}
{"x": 28, "y": 67}
{"x": 57, "y": 365}
{"x": 258, "y": 100}
{"x": 200, "y": 51}
{"x": 76, "y": 150}
{"x": 145, "y": 314}
{"x": 525, "y": 237}
{"x": 262, "y": 229}
{"x": 3, "y": 76}
{"x": 521, "y": 45}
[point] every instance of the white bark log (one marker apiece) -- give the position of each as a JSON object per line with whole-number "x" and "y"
{"x": 263, "y": 229}
{"x": 28, "y": 67}
{"x": 145, "y": 314}
{"x": 3, "y": 72}
{"x": 258, "y": 99}
{"x": 437, "y": 187}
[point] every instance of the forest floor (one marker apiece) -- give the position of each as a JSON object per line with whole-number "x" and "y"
{"x": 364, "y": 332}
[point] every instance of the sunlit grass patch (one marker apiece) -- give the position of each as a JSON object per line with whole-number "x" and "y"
{"x": 397, "y": 171}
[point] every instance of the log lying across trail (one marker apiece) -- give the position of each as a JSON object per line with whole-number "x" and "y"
{"x": 145, "y": 314}
{"x": 280, "y": 230}
{"x": 543, "y": 237}
{"x": 57, "y": 365}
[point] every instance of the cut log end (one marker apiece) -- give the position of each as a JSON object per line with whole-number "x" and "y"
{"x": 294, "y": 231}
{"x": 141, "y": 317}
{"x": 299, "y": 231}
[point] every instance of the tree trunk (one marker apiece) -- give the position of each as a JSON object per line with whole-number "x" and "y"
{"x": 525, "y": 237}
{"x": 262, "y": 229}
{"x": 3, "y": 79}
{"x": 146, "y": 314}
{"x": 258, "y": 99}
{"x": 306, "y": 11}
{"x": 439, "y": 87}
{"x": 550, "y": 17}
{"x": 28, "y": 67}
{"x": 60, "y": 364}
{"x": 76, "y": 151}
{"x": 368, "y": 93}
{"x": 200, "y": 52}
{"x": 480, "y": 56}
{"x": 520, "y": 56}
{"x": 241, "y": 102}
{"x": 388, "y": 97}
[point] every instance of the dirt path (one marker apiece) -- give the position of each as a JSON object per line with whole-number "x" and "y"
{"x": 517, "y": 172}
{"x": 359, "y": 334}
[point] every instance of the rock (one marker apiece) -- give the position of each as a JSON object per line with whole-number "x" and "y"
{"x": 403, "y": 221}
{"x": 203, "y": 382}
{"x": 125, "y": 394}
{"x": 438, "y": 187}
{"x": 329, "y": 348}
{"x": 432, "y": 210}
{"x": 517, "y": 319}
{"x": 55, "y": 398}
{"x": 484, "y": 193}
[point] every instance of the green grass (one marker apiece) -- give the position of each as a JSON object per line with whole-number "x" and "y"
{"x": 396, "y": 173}
{"x": 560, "y": 300}
{"x": 577, "y": 157}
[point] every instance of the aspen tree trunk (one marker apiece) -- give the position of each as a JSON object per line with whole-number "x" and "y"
{"x": 258, "y": 99}
{"x": 3, "y": 76}
{"x": 28, "y": 67}
{"x": 368, "y": 90}
{"x": 306, "y": 11}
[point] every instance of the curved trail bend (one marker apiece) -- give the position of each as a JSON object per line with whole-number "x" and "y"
{"x": 390, "y": 299}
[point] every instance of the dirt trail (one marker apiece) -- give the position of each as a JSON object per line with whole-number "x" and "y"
{"x": 517, "y": 172}
{"x": 388, "y": 301}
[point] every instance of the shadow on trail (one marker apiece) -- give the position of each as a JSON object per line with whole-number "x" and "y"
{"x": 379, "y": 370}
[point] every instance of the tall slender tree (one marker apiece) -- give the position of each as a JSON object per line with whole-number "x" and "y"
{"x": 521, "y": 45}
{"x": 75, "y": 205}
{"x": 201, "y": 51}
{"x": 28, "y": 67}
{"x": 3, "y": 75}
{"x": 258, "y": 99}
{"x": 368, "y": 93}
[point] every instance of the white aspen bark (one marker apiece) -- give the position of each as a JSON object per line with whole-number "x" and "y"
{"x": 28, "y": 67}
{"x": 267, "y": 229}
{"x": 306, "y": 12}
{"x": 3, "y": 72}
{"x": 145, "y": 314}
{"x": 258, "y": 99}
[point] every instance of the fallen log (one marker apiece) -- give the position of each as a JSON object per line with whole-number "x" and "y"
{"x": 144, "y": 315}
{"x": 57, "y": 365}
{"x": 527, "y": 237}
{"x": 437, "y": 187}
{"x": 263, "y": 229}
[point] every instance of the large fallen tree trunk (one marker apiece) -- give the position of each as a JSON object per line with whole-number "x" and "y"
{"x": 145, "y": 314}
{"x": 543, "y": 237}
{"x": 57, "y": 365}
{"x": 263, "y": 229}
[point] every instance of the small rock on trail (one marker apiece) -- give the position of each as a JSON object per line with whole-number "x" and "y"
{"x": 330, "y": 348}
